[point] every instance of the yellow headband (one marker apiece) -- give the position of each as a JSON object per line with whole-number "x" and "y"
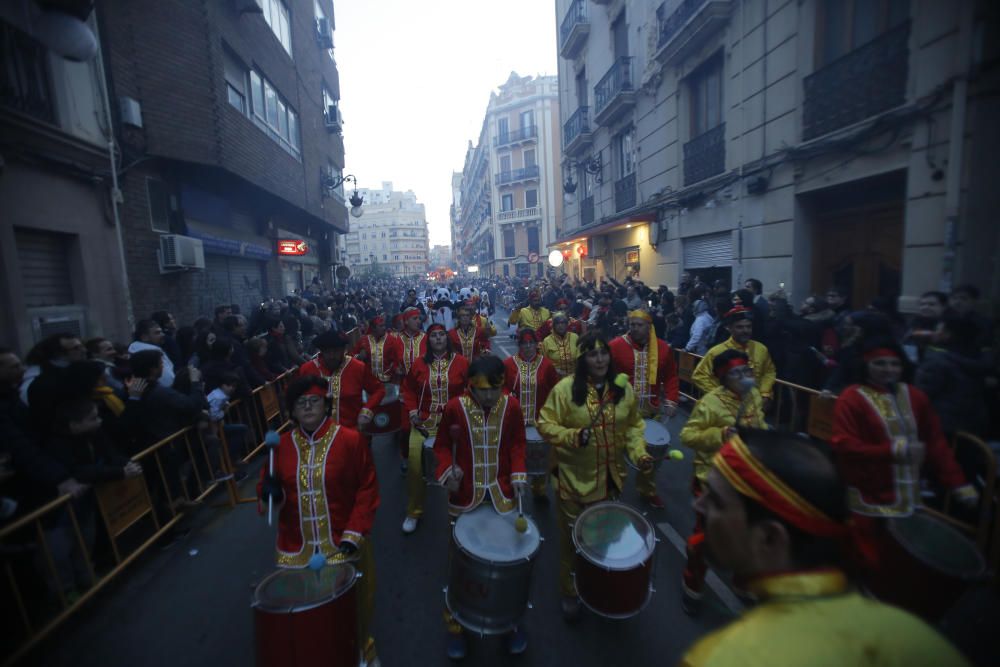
{"x": 642, "y": 315}
{"x": 481, "y": 381}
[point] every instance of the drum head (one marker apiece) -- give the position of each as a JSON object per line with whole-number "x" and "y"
{"x": 300, "y": 590}
{"x": 613, "y": 536}
{"x": 492, "y": 537}
{"x": 938, "y": 545}
{"x": 429, "y": 442}
{"x": 531, "y": 434}
{"x": 656, "y": 433}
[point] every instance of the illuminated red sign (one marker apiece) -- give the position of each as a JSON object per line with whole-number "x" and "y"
{"x": 292, "y": 247}
{"x": 581, "y": 250}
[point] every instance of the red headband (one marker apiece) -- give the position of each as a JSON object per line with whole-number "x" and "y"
{"x": 526, "y": 333}
{"x": 881, "y": 352}
{"x": 411, "y": 312}
{"x": 749, "y": 477}
{"x": 436, "y": 327}
{"x": 377, "y": 321}
{"x": 738, "y": 313}
{"x": 724, "y": 369}
{"x": 316, "y": 390}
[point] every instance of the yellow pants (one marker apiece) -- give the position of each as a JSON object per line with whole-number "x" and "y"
{"x": 416, "y": 486}
{"x": 566, "y": 513}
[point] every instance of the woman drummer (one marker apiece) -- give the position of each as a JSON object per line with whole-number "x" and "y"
{"x": 592, "y": 420}
{"x": 432, "y": 381}
{"x": 325, "y": 488}
{"x": 886, "y": 437}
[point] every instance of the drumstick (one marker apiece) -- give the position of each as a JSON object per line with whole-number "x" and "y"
{"x": 271, "y": 440}
{"x": 520, "y": 523}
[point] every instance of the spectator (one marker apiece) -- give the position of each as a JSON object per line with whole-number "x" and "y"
{"x": 761, "y": 308}
{"x": 293, "y": 339}
{"x": 257, "y": 354}
{"x": 963, "y": 301}
{"x": 236, "y": 434}
{"x": 702, "y": 329}
{"x": 169, "y": 326}
{"x": 235, "y": 328}
{"x": 221, "y": 313}
{"x": 220, "y": 363}
{"x": 837, "y": 298}
{"x": 930, "y": 309}
{"x": 277, "y": 351}
{"x": 164, "y": 409}
{"x": 103, "y": 350}
{"x": 149, "y": 336}
{"x": 632, "y": 298}
{"x": 55, "y": 351}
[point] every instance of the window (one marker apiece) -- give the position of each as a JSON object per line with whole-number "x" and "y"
{"x": 532, "y": 239}
{"x": 277, "y": 17}
{"x": 505, "y": 164}
{"x": 503, "y": 130}
{"x": 527, "y": 119}
{"x": 508, "y": 243}
{"x": 507, "y": 203}
{"x": 158, "y": 195}
{"x": 625, "y": 153}
{"x": 529, "y": 158}
{"x": 324, "y": 39}
{"x": 530, "y": 198}
{"x": 236, "y": 81}
{"x": 523, "y": 270}
{"x": 844, "y": 25}
{"x": 706, "y": 97}
{"x": 328, "y": 101}
{"x": 273, "y": 114}
{"x": 506, "y": 270}
{"x": 581, "y": 88}
{"x": 619, "y": 36}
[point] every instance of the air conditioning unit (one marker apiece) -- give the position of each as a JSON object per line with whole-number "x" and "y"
{"x": 180, "y": 253}
{"x": 324, "y": 36}
{"x": 332, "y": 120}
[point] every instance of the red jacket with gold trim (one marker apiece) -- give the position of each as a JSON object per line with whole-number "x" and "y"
{"x": 469, "y": 347}
{"x": 419, "y": 387}
{"x": 382, "y": 357}
{"x": 345, "y": 387}
{"x": 623, "y": 353}
{"x": 544, "y": 378}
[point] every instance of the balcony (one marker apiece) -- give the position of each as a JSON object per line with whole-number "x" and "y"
{"x": 574, "y": 30}
{"x": 625, "y": 193}
{"x": 587, "y": 211}
{"x": 576, "y": 133}
{"x": 519, "y": 136}
{"x": 865, "y": 82}
{"x": 614, "y": 95}
{"x": 705, "y": 155}
{"x": 520, "y": 214}
{"x": 688, "y": 27}
{"x": 517, "y": 175}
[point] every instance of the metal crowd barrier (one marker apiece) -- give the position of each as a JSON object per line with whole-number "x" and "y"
{"x": 180, "y": 472}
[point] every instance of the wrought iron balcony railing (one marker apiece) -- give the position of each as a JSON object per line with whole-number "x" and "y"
{"x": 587, "y": 211}
{"x": 625, "y": 193}
{"x": 574, "y": 29}
{"x": 527, "y": 173}
{"x": 616, "y": 81}
{"x": 705, "y": 155}
{"x": 576, "y": 126}
{"x": 521, "y": 134}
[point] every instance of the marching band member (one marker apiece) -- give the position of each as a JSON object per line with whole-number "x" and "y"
{"x": 467, "y": 337}
{"x": 739, "y": 321}
{"x": 381, "y": 352}
{"x": 886, "y": 437}
{"x": 325, "y": 488}
{"x": 531, "y": 316}
{"x": 774, "y": 514}
{"x": 489, "y": 467}
{"x": 346, "y": 377}
{"x": 712, "y": 422}
{"x": 481, "y": 303}
{"x": 529, "y": 377}
{"x": 413, "y": 342}
{"x": 649, "y": 364}
{"x": 574, "y": 325}
{"x": 559, "y": 347}
{"x": 433, "y": 380}
{"x": 592, "y": 420}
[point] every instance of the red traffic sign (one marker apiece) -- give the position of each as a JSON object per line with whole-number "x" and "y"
{"x": 533, "y": 257}
{"x": 292, "y": 247}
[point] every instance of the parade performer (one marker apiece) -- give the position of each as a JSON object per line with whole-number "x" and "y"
{"x": 346, "y": 378}
{"x": 714, "y": 420}
{"x": 739, "y": 321}
{"x": 468, "y": 338}
{"x": 559, "y": 347}
{"x": 886, "y": 437}
{"x": 325, "y": 488}
{"x": 484, "y": 429}
{"x": 433, "y": 380}
{"x": 774, "y": 516}
{"x": 592, "y": 420}
{"x": 413, "y": 342}
{"x": 649, "y": 364}
{"x": 531, "y": 316}
{"x": 529, "y": 377}
{"x": 381, "y": 352}
{"x": 574, "y": 325}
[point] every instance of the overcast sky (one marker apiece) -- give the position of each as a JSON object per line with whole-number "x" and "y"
{"x": 415, "y": 79}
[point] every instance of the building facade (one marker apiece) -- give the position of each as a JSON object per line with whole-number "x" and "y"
{"x": 391, "y": 236}
{"x": 440, "y": 257}
{"x": 510, "y": 203}
{"x": 805, "y": 143}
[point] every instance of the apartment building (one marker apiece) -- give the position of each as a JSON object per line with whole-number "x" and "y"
{"x": 805, "y": 143}
{"x": 510, "y": 197}
{"x": 391, "y": 236}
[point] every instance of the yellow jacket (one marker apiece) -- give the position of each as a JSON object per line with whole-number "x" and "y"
{"x": 562, "y": 352}
{"x": 584, "y": 471}
{"x": 529, "y": 317}
{"x": 812, "y": 619}
{"x": 712, "y": 414}
{"x": 760, "y": 362}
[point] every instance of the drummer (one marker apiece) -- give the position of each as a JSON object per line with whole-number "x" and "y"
{"x": 346, "y": 378}
{"x": 467, "y": 337}
{"x": 433, "y": 380}
{"x": 531, "y": 315}
{"x": 775, "y": 516}
{"x": 592, "y": 420}
{"x": 380, "y": 351}
{"x": 713, "y": 422}
{"x": 326, "y": 511}
{"x": 529, "y": 377}
{"x": 649, "y": 364}
{"x": 559, "y": 347}
{"x": 413, "y": 344}
{"x": 492, "y": 471}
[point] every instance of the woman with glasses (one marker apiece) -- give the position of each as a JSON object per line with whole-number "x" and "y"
{"x": 735, "y": 404}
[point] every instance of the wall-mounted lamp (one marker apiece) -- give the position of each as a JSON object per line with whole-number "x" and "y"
{"x": 331, "y": 182}
{"x": 592, "y": 166}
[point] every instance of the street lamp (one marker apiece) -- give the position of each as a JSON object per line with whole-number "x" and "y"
{"x": 331, "y": 183}
{"x": 592, "y": 166}
{"x": 555, "y": 258}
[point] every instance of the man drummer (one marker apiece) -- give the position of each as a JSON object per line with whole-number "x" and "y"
{"x": 326, "y": 492}
{"x": 532, "y": 315}
{"x": 413, "y": 344}
{"x": 649, "y": 364}
{"x": 380, "y": 351}
{"x": 559, "y": 347}
{"x": 491, "y": 471}
{"x": 529, "y": 377}
{"x": 346, "y": 378}
{"x": 467, "y": 338}
{"x": 739, "y": 322}
{"x": 775, "y": 515}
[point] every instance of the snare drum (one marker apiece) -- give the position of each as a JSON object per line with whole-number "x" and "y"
{"x": 536, "y": 454}
{"x": 429, "y": 460}
{"x": 304, "y": 618}
{"x": 615, "y": 545}
{"x": 657, "y": 440}
{"x": 387, "y": 414}
{"x": 489, "y": 572}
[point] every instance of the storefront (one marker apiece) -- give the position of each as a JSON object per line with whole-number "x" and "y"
{"x": 298, "y": 258}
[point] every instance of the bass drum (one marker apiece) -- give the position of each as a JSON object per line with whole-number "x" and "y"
{"x": 615, "y": 546}
{"x": 387, "y": 414}
{"x": 657, "y": 440}
{"x": 304, "y": 618}
{"x": 536, "y": 454}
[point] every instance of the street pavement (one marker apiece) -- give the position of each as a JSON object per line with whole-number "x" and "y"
{"x": 189, "y": 603}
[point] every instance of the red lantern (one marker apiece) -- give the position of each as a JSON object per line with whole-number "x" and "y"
{"x": 581, "y": 250}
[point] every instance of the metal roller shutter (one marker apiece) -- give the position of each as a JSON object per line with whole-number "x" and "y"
{"x": 227, "y": 280}
{"x": 703, "y": 252}
{"x": 43, "y": 260}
